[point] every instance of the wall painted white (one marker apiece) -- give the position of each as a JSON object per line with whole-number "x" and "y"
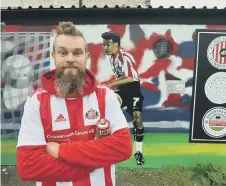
{"x": 69, "y": 3}
{"x": 189, "y": 3}
{"x": 112, "y": 3}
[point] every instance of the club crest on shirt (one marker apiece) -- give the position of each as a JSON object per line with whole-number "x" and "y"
{"x": 91, "y": 114}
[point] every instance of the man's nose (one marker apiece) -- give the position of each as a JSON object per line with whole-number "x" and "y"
{"x": 70, "y": 58}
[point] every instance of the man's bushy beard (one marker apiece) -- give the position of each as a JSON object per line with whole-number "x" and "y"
{"x": 69, "y": 84}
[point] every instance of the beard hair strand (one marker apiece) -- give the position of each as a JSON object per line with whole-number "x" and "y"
{"x": 69, "y": 84}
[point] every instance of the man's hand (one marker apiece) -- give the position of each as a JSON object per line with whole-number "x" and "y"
{"x": 52, "y": 149}
{"x": 106, "y": 84}
{"x": 120, "y": 81}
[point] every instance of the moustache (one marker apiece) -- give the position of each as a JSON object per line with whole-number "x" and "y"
{"x": 70, "y": 67}
{"x": 60, "y": 70}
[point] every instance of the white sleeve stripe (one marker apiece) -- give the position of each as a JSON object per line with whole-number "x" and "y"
{"x": 31, "y": 130}
{"x": 125, "y": 64}
{"x": 134, "y": 73}
{"x": 113, "y": 112}
{"x": 128, "y": 60}
{"x": 117, "y": 127}
{"x": 129, "y": 56}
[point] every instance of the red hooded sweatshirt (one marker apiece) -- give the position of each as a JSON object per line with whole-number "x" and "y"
{"x": 71, "y": 122}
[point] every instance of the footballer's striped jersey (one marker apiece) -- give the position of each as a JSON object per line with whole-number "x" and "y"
{"x": 123, "y": 64}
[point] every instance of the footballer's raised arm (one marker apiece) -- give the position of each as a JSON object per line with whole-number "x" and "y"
{"x": 33, "y": 163}
{"x": 105, "y": 151}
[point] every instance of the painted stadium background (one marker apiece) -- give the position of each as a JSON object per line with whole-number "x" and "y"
{"x": 166, "y": 85}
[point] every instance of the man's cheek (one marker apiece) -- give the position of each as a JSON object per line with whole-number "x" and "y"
{"x": 82, "y": 64}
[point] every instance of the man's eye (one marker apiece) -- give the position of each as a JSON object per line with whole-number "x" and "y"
{"x": 78, "y": 53}
{"x": 62, "y": 52}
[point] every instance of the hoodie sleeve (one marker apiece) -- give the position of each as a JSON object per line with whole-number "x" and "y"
{"x": 33, "y": 163}
{"x": 105, "y": 151}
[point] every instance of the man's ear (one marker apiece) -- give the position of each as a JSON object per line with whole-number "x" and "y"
{"x": 53, "y": 61}
{"x": 53, "y": 55}
{"x": 87, "y": 57}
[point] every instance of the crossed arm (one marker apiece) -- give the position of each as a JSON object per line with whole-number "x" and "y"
{"x": 41, "y": 161}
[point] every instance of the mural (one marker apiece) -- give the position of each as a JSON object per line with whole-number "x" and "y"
{"x": 24, "y": 56}
{"x": 166, "y": 82}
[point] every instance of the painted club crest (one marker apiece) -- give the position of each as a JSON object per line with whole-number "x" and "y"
{"x": 216, "y": 52}
{"x": 91, "y": 114}
{"x": 215, "y": 88}
{"x": 214, "y": 122}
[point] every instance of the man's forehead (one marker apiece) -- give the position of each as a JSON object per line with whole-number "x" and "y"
{"x": 70, "y": 42}
{"x": 69, "y": 47}
{"x": 107, "y": 41}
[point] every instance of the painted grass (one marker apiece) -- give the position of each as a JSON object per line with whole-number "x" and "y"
{"x": 159, "y": 150}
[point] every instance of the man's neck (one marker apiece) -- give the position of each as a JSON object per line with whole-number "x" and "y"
{"x": 115, "y": 52}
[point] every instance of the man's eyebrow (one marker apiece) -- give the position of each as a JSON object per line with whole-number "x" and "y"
{"x": 78, "y": 50}
{"x": 75, "y": 49}
{"x": 61, "y": 47}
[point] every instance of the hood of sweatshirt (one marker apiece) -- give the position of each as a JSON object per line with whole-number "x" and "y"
{"x": 48, "y": 78}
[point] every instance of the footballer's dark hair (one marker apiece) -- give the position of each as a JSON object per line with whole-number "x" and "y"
{"x": 111, "y": 36}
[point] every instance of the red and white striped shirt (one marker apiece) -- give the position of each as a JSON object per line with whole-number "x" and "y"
{"x": 124, "y": 65}
{"x": 71, "y": 122}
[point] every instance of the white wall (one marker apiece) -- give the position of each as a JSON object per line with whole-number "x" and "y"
{"x": 112, "y": 3}
{"x": 69, "y": 3}
{"x": 189, "y": 3}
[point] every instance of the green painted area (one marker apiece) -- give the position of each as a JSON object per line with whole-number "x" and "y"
{"x": 159, "y": 150}
{"x": 8, "y": 151}
{"x": 183, "y": 160}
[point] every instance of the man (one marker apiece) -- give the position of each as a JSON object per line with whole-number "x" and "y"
{"x": 57, "y": 143}
{"x": 127, "y": 86}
